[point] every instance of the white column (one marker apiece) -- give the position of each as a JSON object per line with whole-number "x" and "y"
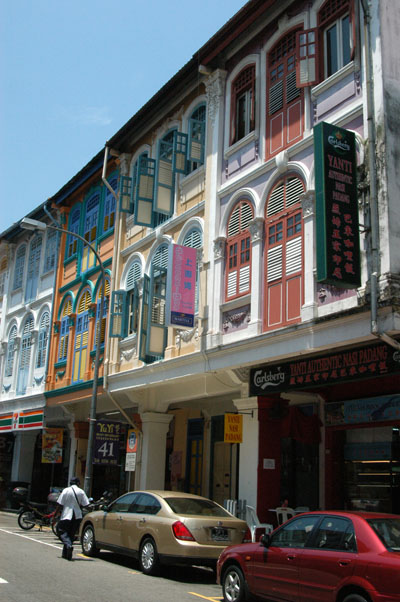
{"x": 309, "y": 309}
{"x": 248, "y": 459}
{"x": 256, "y": 227}
{"x": 153, "y": 451}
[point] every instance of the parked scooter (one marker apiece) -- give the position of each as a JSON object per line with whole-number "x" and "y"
{"x": 33, "y": 514}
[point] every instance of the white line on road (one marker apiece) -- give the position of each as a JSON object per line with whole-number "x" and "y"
{"x": 52, "y": 545}
{"x": 3, "y": 580}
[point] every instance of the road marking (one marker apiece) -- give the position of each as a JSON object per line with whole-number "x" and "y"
{"x": 213, "y": 599}
{"x": 52, "y": 545}
{"x": 3, "y": 580}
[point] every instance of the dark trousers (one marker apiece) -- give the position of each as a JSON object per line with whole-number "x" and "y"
{"x": 67, "y": 530}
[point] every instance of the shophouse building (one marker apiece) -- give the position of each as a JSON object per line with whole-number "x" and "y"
{"x": 27, "y": 276}
{"x": 297, "y": 325}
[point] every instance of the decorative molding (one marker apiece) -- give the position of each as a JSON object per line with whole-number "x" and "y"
{"x": 60, "y": 374}
{"x": 282, "y": 161}
{"x": 187, "y": 335}
{"x": 219, "y": 247}
{"x": 215, "y": 90}
{"x": 236, "y": 318}
{"x": 38, "y": 380}
{"x": 124, "y": 163}
{"x": 6, "y": 388}
{"x": 308, "y": 203}
{"x": 256, "y": 228}
{"x": 128, "y": 347}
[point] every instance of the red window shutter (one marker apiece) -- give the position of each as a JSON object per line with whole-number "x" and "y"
{"x": 307, "y": 58}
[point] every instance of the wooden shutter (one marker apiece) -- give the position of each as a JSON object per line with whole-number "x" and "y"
{"x": 307, "y": 58}
{"x": 144, "y": 318}
{"x": 180, "y": 152}
{"x": 197, "y": 141}
{"x": 157, "y": 331}
{"x": 33, "y": 269}
{"x": 144, "y": 192}
{"x": 165, "y": 180}
{"x": 118, "y": 314}
{"x": 25, "y": 357}
{"x": 11, "y": 351}
{"x": 126, "y": 194}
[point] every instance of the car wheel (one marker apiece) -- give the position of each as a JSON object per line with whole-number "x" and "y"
{"x": 26, "y": 520}
{"x": 148, "y": 557}
{"x": 233, "y": 585}
{"x": 88, "y": 541}
{"x": 356, "y": 598}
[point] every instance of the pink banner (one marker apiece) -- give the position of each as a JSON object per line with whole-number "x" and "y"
{"x": 182, "y": 297}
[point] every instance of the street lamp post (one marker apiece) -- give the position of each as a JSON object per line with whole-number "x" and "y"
{"x": 32, "y": 224}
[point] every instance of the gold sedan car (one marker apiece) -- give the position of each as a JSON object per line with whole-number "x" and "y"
{"x": 162, "y": 527}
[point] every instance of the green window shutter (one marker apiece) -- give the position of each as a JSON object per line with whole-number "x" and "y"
{"x": 157, "y": 331}
{"x": 164, "y": 195}
{"x": 197, "y": 140}
{"x": 126, "y": 194}
{"x": 118, "y": 325}
{"x": 144, "y": 318}
{"x": 133, "y": 310}
{"x": 180, "y": 152}
{"x": 144, "y": 192}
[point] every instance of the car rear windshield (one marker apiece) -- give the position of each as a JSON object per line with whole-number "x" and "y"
{"x": 181, "y": 505}
{"x": 388, "y": 530}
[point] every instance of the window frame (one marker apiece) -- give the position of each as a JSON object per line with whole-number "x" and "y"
{"x": 19, "y": 267}
{"x": 43, "y": 340}
{"x": 50, "y": 251}
{"x": 246, "y": 90}
{"x": 235, "y": 241}
{"x": 9, "y": 363}
{"x": 335, "y": 15}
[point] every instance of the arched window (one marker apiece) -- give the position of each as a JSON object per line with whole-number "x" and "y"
{"x": 90, "y": 231}
{"x": 25, "y": 356}
{"x": 81, "y": 338}
{"x": 284, "y": 254}
{"x": 19, "y": 267}
{"x": 194, "y": 239}
{"x": 243, "y": 103}
{"x": 197, "y": 135}
{"x": 73, "y": 226}
{"x": 33, "y": 269}
{"x": 238, "y": 254}
{"x": 64, "y": 330}
{"x": 106, "y": 304}
{"x": 43, "y": 339}
{"x": 285, "y": 101}
{"x": 10, "y": 352}
{"x": 132, "y": 278}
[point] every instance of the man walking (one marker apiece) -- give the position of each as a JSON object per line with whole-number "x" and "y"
{"x": 70, "y": 504}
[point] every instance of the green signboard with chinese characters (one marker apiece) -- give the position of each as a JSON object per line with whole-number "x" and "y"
{"x": 338, "y": 242}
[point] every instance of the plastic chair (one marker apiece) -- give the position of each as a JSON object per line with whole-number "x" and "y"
{"x": 283, "y": 514}
{"x": 254, "y": 523}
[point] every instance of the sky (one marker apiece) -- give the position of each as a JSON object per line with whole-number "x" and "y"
{"x": 72, "y": 73}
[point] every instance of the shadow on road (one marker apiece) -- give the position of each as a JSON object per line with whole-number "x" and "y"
{"x": 182, "y": 574}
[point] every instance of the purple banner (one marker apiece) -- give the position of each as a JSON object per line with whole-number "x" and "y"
{"x": 106, "y": 443}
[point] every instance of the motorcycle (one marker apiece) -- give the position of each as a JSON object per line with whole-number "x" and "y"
{"x": 33, "y": 514}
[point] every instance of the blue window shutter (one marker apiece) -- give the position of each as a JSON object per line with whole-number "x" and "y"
{"x": 126, "y": 194}
{"x": 157, "y": 331}
{"x": 133, "y": 310}
{"x": 118, "y": 325}
{"x": 33, "y": 269}
{"x": 164, "y": 195}
{"x": 144, "y": 318}
{"x": 180, "y": 152}
{"x": 144, "y": 192}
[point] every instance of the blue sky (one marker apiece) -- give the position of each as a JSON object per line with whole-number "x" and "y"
{"x": 73, "y": 72}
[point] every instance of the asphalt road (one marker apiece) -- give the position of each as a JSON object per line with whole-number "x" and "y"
{"x": 32, "y": 570}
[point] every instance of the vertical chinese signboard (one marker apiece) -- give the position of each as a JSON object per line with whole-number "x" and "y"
{"x": 52, "y": 445}
{"x": 338, "y": 245}
{"x": 181, "y": 292}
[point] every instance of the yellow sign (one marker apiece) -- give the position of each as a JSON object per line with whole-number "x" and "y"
{"x": 233, "y": 431}
{"x": 52, "y": 446}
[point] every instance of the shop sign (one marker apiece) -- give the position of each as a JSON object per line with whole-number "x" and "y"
{"x": 353, "y": 364}
{"x": 132, "y": 441}
{"x": 233, "y": 428}
{"x": 52, "y": 445}
{"x": 368, "y": 451}
{"x": 106, "y": 443}
{"x": 15, "y": 421}
{"x": 130, "y": 462}
{"x": 181, "y": 286}
{"x": 337, "y": 232}
{"x": 356, "y": 411}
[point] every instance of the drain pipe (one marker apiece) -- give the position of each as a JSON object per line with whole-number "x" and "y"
{"x": 114, "y": 272}
{"x": 373, "y": 202}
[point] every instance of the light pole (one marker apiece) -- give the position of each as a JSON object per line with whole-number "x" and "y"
{"x": 32, "y": 224}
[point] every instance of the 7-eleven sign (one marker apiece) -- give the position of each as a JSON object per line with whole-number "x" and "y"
{"x": 17, "y": 421}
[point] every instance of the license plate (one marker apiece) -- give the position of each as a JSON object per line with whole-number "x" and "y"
{"x": 219, "y": 534}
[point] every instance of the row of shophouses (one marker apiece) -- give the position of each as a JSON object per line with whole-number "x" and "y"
{"x": 223, "y": 160}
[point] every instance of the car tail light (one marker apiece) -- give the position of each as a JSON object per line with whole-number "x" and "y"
{"x": 182, "y": 532}
{"x": 247, "y": 536}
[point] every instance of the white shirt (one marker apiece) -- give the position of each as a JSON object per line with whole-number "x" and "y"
{"x": 70, "y": 504}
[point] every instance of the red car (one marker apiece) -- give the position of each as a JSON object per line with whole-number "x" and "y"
{"x": 318, "y": 557}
